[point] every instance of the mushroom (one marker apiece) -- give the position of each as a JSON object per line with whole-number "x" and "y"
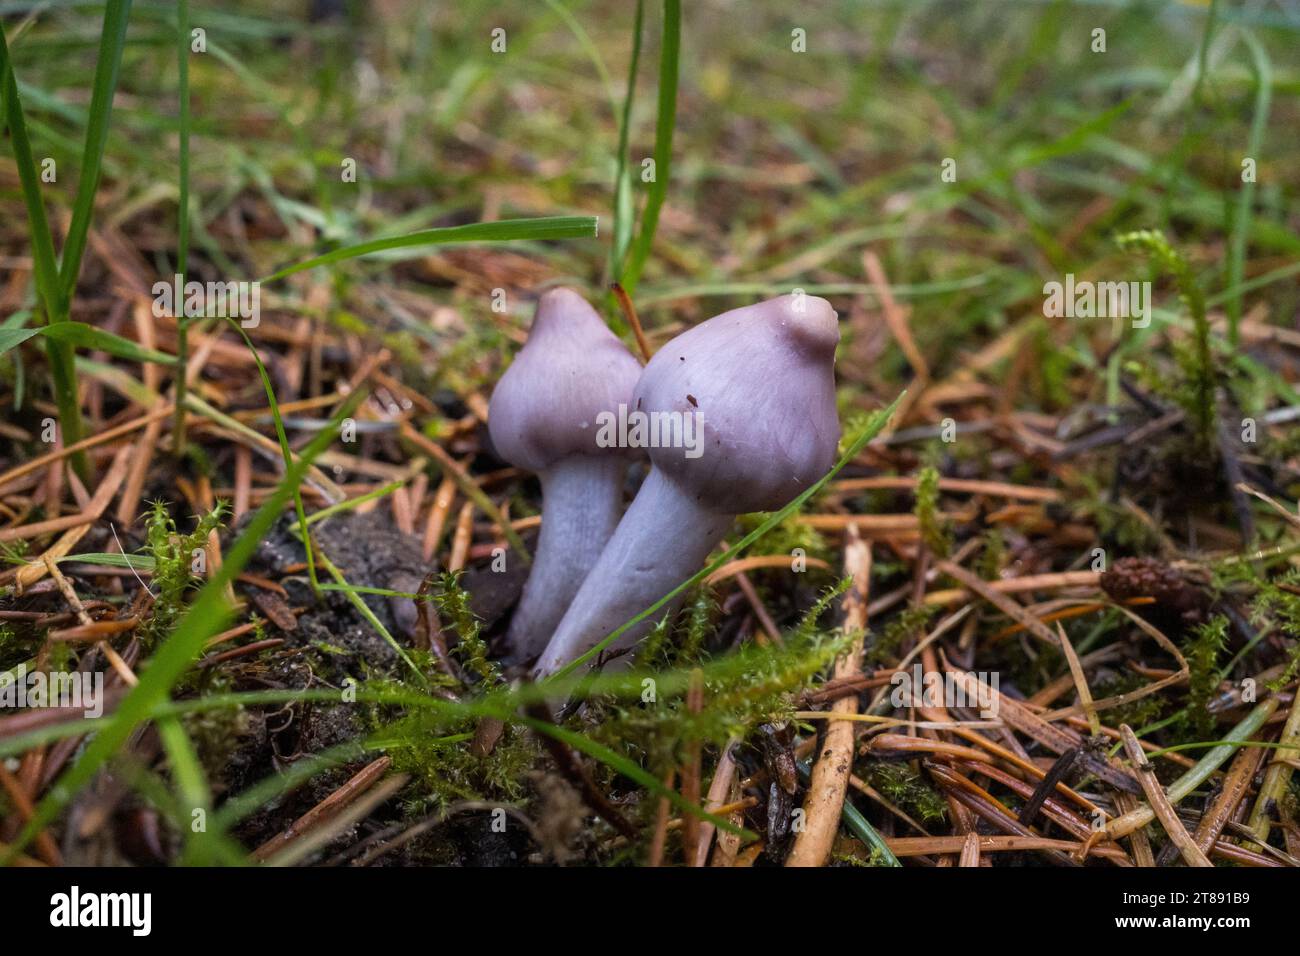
{"x": 543, "y": 417}
{"x": 758, "y": 382}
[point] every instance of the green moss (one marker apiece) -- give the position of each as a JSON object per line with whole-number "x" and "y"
{"x": 1197, "y": 397}
{"x": 789, "y": 537}
{"x": 934, "y": 532}
{"x": 216, "y": 732}
{"x": 911, "y": 622}
{"x": 1138, "y": 713}
{"x": 12, "y": 650}
{"x": 174, "y": 572}
{"x": 1202, "y": 651}
{"x": 993, "y": 556}
{"x": 437, "y": 754}
{"x": 452, "y": 602}
{"x": 904, "y": 787}
{"x": 742, "y": 689}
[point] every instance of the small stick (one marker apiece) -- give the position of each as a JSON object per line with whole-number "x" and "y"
{"x": 1046, "y": 786}
{"x": 54, "y": 489}
{"x": 931, "y": 846}
{"x": 1141, "y": 844}
{"x": 70, "y": 595}
{"x": 572, "y": 767}
{"x": 453, "y": 469}
{"x": 1052, "y": 808}
{"x": 402, "y": 515}
{"x": 1160, "y": 805}
{"x": 94, "y": 508}
{"x": 243, "y": 480}
{"x": 129, "y": 503}
{"x": 1277, "y": 776}
{"x": 106, "y": 436}
{"x": 999, "y": 600}
{"x": 1275, "y": 505}
{"x": 350, "y": 815}
{"x": 997, "y": 489}
{"x": 340, "y": 798}
{"x": 830, "y": 775}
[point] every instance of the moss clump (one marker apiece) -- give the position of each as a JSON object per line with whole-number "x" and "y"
{"x": 789, "y": 537}
{"x": 12, "y": 651}
{"x": 436, "y": 747}
{"x": 1197, "y": 393}
{"x": 934, "y": 533}
{"x": 174, "y": 564}
{"x": 216, "y": 732}
{"x": 453, "y": 603}
{"x": 437, "y": 753}
{"x": 1137, "y": 713}
{"x": 912, "y": 621}
{"x": 1202, "y": 652}
{"x": 904, "y": 787}
{"x": 646, "y": 718}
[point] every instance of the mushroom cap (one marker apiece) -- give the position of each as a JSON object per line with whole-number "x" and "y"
{"x": 763, "y": 379}
{"x": 571, "y": 369}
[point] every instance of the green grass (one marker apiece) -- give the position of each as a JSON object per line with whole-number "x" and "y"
{"x": 508, "y": 230}
{"x": 183, "y": 44}
{"x": 56, "y": 284}
{"x": 665, "y": 124}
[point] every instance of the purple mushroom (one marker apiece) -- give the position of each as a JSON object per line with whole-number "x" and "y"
{"x": 751, "y": 393}
{"x": 543, "y": 416}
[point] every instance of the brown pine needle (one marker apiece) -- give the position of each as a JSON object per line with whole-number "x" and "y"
{"x": 634, "y": 320}
{"x": 1160, "y": 804}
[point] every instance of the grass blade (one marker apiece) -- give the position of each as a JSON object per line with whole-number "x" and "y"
{"x": 42, "y": 240}
{"x": 182, "y": 221}
{"x": 664, "y": 124}
{"x": 138, "y": 562}
{"x": 505, "y": 230}
{"x": 363, "y": 609}
{"x": 285, "y": 450}
{"x": 75, "y": 334}
{"x": 107, "y": 67}
{"x": 44, "y": 265}
{"x": 1241, "y": 219}
{"x": 857, "y": 823}
{"x": 623, "y": 211}
{"x": 12, "y": 338}
{"x": 192, "y": 788}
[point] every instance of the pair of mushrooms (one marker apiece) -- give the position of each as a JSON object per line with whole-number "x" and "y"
{"x": 759, "y": 380}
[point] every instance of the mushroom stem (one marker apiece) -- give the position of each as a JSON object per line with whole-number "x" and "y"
{"x": 661, "y": 541}
{"x": 582, "y": 499}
